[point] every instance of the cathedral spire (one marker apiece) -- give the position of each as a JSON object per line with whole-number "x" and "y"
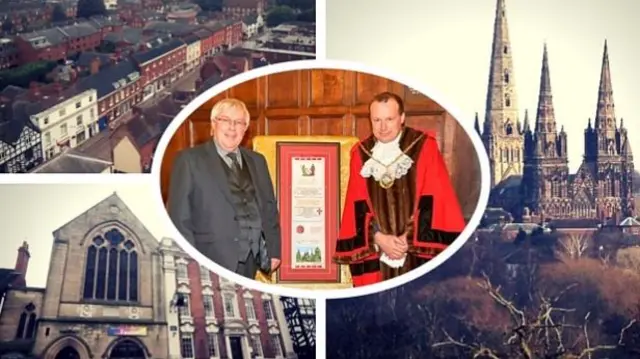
{"x": 502, "y": 134}
{"x": 527, "y": 126}
{"x": 502, "y": 102}
{"x": 605, "y": 113}
{"x": 545, "y": 117}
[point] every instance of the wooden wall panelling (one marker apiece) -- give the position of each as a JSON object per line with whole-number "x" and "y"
{"x": 335, "y": 102}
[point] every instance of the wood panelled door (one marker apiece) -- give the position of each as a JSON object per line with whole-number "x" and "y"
{"x": 333, "y": 102}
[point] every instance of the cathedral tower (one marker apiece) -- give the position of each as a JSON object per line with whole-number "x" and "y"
{"x": 502, "y": 135}
{"x": 608, "y": 153}
{"x": 545, "y": 182}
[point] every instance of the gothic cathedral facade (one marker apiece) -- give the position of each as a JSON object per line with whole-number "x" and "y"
{"x": 530, "y": 167}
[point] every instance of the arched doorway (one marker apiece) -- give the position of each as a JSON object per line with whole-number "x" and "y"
{"x": 127, "y": 349}
{"x": 68, "y": 353}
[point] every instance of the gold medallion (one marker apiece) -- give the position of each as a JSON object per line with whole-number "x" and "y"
{"x": 386, "y": 181}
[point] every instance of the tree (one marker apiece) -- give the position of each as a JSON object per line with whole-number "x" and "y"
{"x": 298, "y": 4}
{"x": 629, "y": 258}
{"x": 280, "y": 14}
{"x": 521, "y": 237}
{"x": 7, "y": 26}
{"x": 551, "y": 309}
{"x": 574, "y": 245}
{"x": 307, "y": 16}
{"x": 106, "y": 47}
{"x": 210, "y": 5}
{"x": 89, "y": 8}
{"x": 58, "y": 14}
{"x": 543, "y": 333}
{"x": 22, "y": 76}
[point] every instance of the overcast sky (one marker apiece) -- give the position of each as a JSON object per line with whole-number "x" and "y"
{"x": 446, "y": 45}
{"x": 36, "y": 210}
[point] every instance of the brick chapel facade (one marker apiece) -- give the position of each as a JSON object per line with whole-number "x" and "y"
{"x": 115, "y": 291}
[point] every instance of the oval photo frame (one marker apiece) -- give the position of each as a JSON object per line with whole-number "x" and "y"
{"x": 283, "y": 290}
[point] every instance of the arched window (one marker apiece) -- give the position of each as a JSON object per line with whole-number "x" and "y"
{"x": 607, "y": 190}
{"x": 27, "y": 324}
{"x": 556, "y": 189}
{"x": 509, "y": 128}
{"x": 111, "y": 271}
{"x": 507, "y": 101}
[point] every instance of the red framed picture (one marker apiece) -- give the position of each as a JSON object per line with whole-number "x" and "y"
{"x": 308, "y": 191}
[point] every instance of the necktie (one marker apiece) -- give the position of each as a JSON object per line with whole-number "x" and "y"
{"x": 235, "y": 165}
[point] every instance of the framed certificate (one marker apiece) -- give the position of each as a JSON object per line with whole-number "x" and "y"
{"x": 310, "y": 175}
{"x": 308, "y": 188}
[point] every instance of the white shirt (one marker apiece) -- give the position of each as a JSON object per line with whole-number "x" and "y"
{"x": 387, "y": 158}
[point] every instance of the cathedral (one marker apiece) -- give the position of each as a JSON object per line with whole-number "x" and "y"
{"x": 529, "y": 166}
{"x": 115, "y": 291}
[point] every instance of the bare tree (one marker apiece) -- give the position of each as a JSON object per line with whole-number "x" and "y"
{"x": 629, "y": 258}
{"x": 574, "y": 245}
{"x": 541, "y": 333}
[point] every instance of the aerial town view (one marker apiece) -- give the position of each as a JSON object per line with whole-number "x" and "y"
{"x": 89, "y": 86}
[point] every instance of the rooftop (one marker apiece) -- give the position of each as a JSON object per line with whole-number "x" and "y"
{"x": 174, "y": 28}
{"x": 69, "y": 162}
{"x": 111, "y": 78}
{"x": 128, "y": 35}
{"x": 155, "y": 52}
{"x": 58, "y": 35}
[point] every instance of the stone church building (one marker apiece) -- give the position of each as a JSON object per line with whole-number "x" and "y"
{"x": 529, "y": 165}
{"x": 115, "y": 291}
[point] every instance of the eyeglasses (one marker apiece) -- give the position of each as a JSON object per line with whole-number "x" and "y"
{"x": 231, "y": 123}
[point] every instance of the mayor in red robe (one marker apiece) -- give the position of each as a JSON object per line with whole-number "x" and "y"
{"x": 418, "y": 204}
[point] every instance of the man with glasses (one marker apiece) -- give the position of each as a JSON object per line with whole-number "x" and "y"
{"x": 221, "y": 198}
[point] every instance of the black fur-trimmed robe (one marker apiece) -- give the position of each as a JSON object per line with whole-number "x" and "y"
{"x": 421, "y": 204}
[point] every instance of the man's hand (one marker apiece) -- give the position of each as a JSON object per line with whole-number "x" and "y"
{"x": 392, "y": 246}
{"x": 402, "y": 242}
{"x": 275, "y": 264}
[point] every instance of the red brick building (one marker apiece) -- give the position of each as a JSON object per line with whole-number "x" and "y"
{"x": 118, "y": 89}
{"x": 217, "y": 39}
{"x": 233, "y": 33}
{"x": 138, "y": 18}
{"x": 206, "y": 41}
{"x": 217, "y": 318}
{"x": 23, "y": 14}
{"x": 161, "y": 65}
{"x": 240, "y": 8}
{"x": 58, "y": 42}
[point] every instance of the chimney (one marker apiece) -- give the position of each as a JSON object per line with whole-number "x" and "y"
{"x": 57, "y": 88}
{"x": 34, "y": 89}
{"x": 94, "y": 66}
{"x": 73, "y": 75}
{"x": 22, "y": 263}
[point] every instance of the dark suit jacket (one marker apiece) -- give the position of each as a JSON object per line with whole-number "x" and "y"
{"x": 200, "y": 203}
